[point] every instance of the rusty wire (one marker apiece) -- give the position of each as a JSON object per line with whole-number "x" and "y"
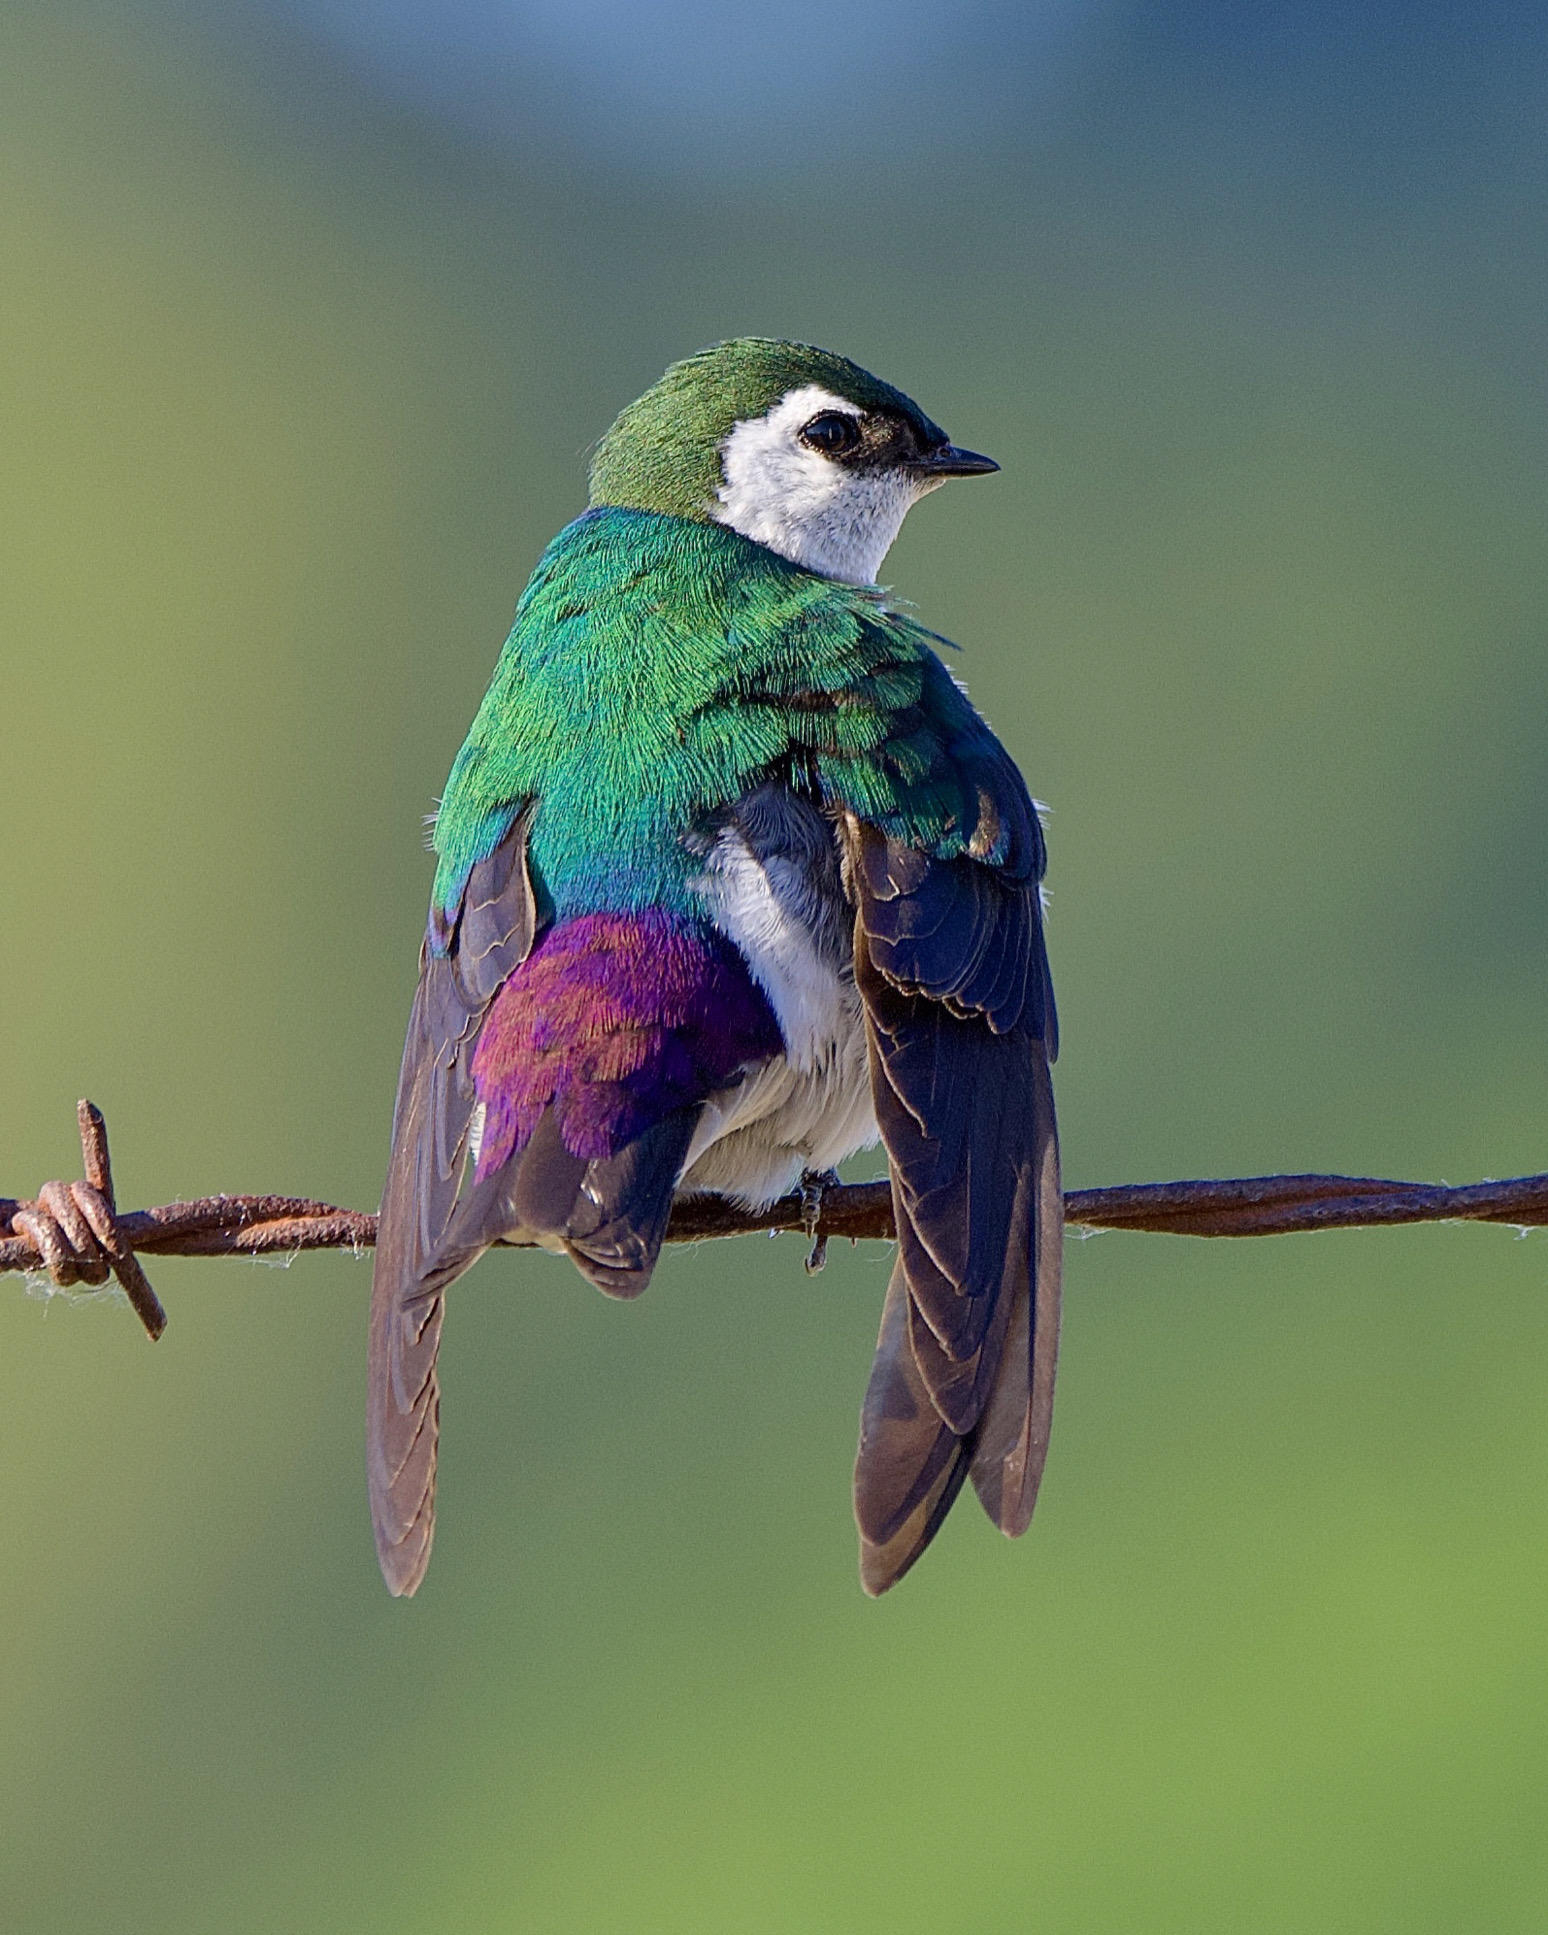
{"x": 75, "y": 1233}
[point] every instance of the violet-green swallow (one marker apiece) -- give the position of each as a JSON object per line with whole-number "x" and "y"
{"x": 733, "y": 882}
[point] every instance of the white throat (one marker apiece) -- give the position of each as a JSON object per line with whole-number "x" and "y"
{"x": 801, "y": 504}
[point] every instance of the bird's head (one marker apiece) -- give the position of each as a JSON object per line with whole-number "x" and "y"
{"x": 792, "y": 446}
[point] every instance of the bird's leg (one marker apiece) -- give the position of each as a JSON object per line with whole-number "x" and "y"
{"x": 813, "y": 1183}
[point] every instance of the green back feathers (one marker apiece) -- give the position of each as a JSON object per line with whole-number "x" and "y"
{"x": 663, "y": 452}
{"x": 659, "y": 668}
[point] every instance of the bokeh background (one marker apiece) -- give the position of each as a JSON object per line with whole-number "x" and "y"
{"x": 310, "y": 312}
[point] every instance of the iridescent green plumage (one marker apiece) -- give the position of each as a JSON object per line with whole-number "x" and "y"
{"x": 659, "y": 667}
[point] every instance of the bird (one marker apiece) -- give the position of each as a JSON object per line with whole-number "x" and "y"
{"x": 733, "y": 881}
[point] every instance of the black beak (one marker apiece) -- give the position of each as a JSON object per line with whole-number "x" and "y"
{"x": 949, "y": 461}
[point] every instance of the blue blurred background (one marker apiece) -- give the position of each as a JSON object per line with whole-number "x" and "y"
{"x": 310, "y": 312}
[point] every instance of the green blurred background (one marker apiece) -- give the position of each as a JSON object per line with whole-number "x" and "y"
{"x": 310, "y": 313}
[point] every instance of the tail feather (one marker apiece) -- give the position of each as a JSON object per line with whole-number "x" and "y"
{"x": 608, "y": 1214}
{"x": 619, "y": 1220}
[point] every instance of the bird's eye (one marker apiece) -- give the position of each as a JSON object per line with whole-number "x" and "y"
{"x": 832, "y": 434}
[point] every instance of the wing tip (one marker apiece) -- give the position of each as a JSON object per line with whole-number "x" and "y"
{"x": 403, "y": 1537}
{"x": 403, "y": 1554}
{"x": 404, "y": 1565}
{"x": 884, "y": 1562}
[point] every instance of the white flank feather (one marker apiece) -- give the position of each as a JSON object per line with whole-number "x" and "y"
{"x": 812, "y": 1107}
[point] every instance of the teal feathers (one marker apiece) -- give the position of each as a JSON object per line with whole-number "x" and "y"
{"x": 658, "y": 667}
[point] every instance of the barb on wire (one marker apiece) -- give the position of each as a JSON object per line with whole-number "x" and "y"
{"x": 75, "y": 1232}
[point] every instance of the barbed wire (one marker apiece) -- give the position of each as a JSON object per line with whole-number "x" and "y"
{"x": 74, "y": 1232}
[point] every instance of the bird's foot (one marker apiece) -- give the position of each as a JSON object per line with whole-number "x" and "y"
{"x": 74, "y": 1229}
{"x": 813, "y": 1183}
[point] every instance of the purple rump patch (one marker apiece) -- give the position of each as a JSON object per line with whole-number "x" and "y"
{"x": 615, "y": 1019}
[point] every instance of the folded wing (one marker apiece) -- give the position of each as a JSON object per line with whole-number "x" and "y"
{"x": 550, "y": 1090}
{"x": 950, "y": 962}
{"x": 462, "y": 966}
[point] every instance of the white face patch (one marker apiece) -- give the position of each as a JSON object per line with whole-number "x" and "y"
{"x": 801, "y": 504}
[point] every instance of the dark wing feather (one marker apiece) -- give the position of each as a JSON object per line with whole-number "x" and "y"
{"x": 609, "y": 1214}
{"x": 490, "y": 933}
{"x": 1011, "y": 1442}
{"x": 913, "y": 1462}
{"x": 950, "y": 962}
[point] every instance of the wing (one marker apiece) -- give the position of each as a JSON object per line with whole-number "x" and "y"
{"x": 578, "y": 1061}
{"x": 489, "y": 933}
{"x": 950, "y": 962}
